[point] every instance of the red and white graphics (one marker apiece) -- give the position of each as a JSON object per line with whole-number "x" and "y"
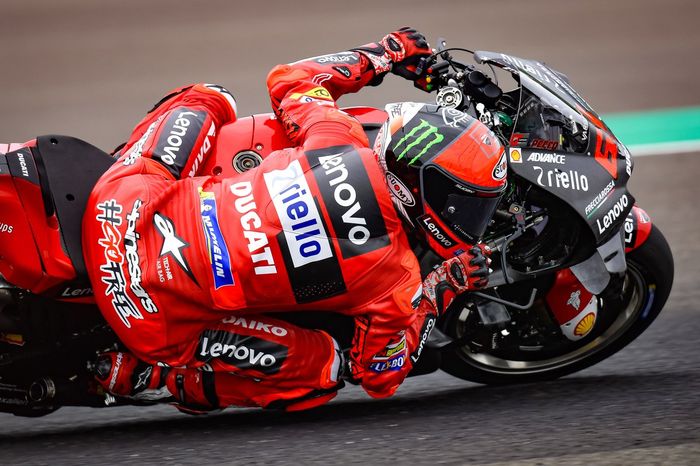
{"x": 574, "y": 307}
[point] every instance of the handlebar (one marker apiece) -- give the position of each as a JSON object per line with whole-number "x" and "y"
{"x": 442, "y": 70}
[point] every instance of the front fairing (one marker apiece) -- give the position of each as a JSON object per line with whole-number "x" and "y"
{"x": 560, "y": 144}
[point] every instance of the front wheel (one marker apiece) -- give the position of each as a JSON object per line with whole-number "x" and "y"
{"x": 637, "y": 299}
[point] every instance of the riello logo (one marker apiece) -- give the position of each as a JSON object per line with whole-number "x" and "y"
{"x": 423, "y": 137}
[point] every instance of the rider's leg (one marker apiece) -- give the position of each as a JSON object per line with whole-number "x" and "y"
{"x": 242, "y": 361}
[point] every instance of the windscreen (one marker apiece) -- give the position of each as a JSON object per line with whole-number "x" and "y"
{"x": 545, "y": 121}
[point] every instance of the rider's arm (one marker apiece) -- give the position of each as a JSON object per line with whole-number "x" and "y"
{"x": 303, "y": 96}
{"x": 304, "y": 93}
{"x": 183, "y": 134}
{"x": 391, "y": 336}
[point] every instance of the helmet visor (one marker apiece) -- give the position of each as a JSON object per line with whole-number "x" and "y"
{"x": 465, "y": 209}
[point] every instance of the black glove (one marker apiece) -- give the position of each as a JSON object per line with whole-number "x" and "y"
{"x": 399, "y": 52}
{"x": 407, "y": 47}
{"x": 465, "y": 272}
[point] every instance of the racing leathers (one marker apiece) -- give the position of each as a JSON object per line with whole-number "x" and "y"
{"x": 188, "y": 269}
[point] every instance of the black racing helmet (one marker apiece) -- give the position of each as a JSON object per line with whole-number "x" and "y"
{"x": 445, "y": 170}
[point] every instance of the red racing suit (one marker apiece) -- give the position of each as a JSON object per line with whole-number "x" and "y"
{"x": 187, "y": 268}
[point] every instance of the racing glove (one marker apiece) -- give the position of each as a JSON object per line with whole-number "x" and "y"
{"x": 399, "y": 52}
{"x": 466, "y": 272}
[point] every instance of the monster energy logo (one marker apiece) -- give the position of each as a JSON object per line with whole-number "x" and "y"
{"x": 423, "y": 133}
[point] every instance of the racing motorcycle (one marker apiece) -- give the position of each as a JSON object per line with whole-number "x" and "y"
{"x": 579, "y": 270}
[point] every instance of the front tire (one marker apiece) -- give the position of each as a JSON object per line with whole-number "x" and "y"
{"x": 645, "y": 289}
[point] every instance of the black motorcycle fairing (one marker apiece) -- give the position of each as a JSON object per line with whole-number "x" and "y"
{"x": 581, "y": 162}
{"x": 69, "y": 169}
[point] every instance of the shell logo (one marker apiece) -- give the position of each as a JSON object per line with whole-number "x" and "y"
{"x": 585, "y": 325}
{"x": 516, "y": 156}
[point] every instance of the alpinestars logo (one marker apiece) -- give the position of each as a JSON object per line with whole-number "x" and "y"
{"x": 172, "y": 244}
{"x": 425, "y": 135}
{"x": 131, "y": 251}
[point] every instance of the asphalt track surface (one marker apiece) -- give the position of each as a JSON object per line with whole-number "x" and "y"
{"x": 90, "y": 69}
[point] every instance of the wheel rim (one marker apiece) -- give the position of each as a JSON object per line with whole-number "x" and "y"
{"x": 638, "y": 302}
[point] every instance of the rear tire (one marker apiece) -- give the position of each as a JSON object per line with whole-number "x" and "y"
{"x": 650, "y": 276}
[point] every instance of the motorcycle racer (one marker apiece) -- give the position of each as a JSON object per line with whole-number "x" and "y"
{"x": 187, "y": 269}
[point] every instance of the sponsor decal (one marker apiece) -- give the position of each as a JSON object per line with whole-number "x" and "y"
{"x": 318, "y": 94}
{"x": 585, "y": 325}
{"x": 305, "y": 99}
{"x": 21, "y": 165}
{"x": 429, "y": 225}
{"x": 6, "y": 228}
{"x": 613, "y": 214}
{"x": 177, "y": 139}
{"x": 115, "y": 372}
{"x": 344, "y": 70}
{"x": 312, "y": 267}
{"x": 256, "y": 325}
{"x": 557, "y": 178}
{"x": 547, "y": 157}
{"x": 349, "y": 199}
{"x": 501, "y": 169}
{"x": 399, "y": 190}
{"x": 455, "y": 118}
{"x": 630, "y": 228}
{"x": 423, "y": 136}
{"x": 70, "y": 292}
{"x": 306, "y": 237}
{"x": 519, "y": 139}
{"x": 343, "y": 57}
{"x": 628, "y": 160}
{"x": 144, "y": 378}
{"x": 545, "y": 144}
{"x": 133, "y": 261}
{"x": 216, "y": 245}
{"x": 392, "y": 358}
{"x": 163, "y": 269}
{"x": 137, "y": 149}
{"x": 203, "y": 150}
{"x": 575, "y": 300}
{"x": 600, "y": 199}
{"x": 394, "y": 110}
{"x": 110, "y": 219}
{"x": 258, "y": 244}
{"x": 428, "y": 327}
{"x": 583, "y": 322}
{"x": 515, "y": 155}
{"x": 172, "y": 244}
{"x": 241, "y": 351}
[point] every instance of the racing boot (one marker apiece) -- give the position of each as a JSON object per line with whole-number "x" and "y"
{"x": 122, "y": 374}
